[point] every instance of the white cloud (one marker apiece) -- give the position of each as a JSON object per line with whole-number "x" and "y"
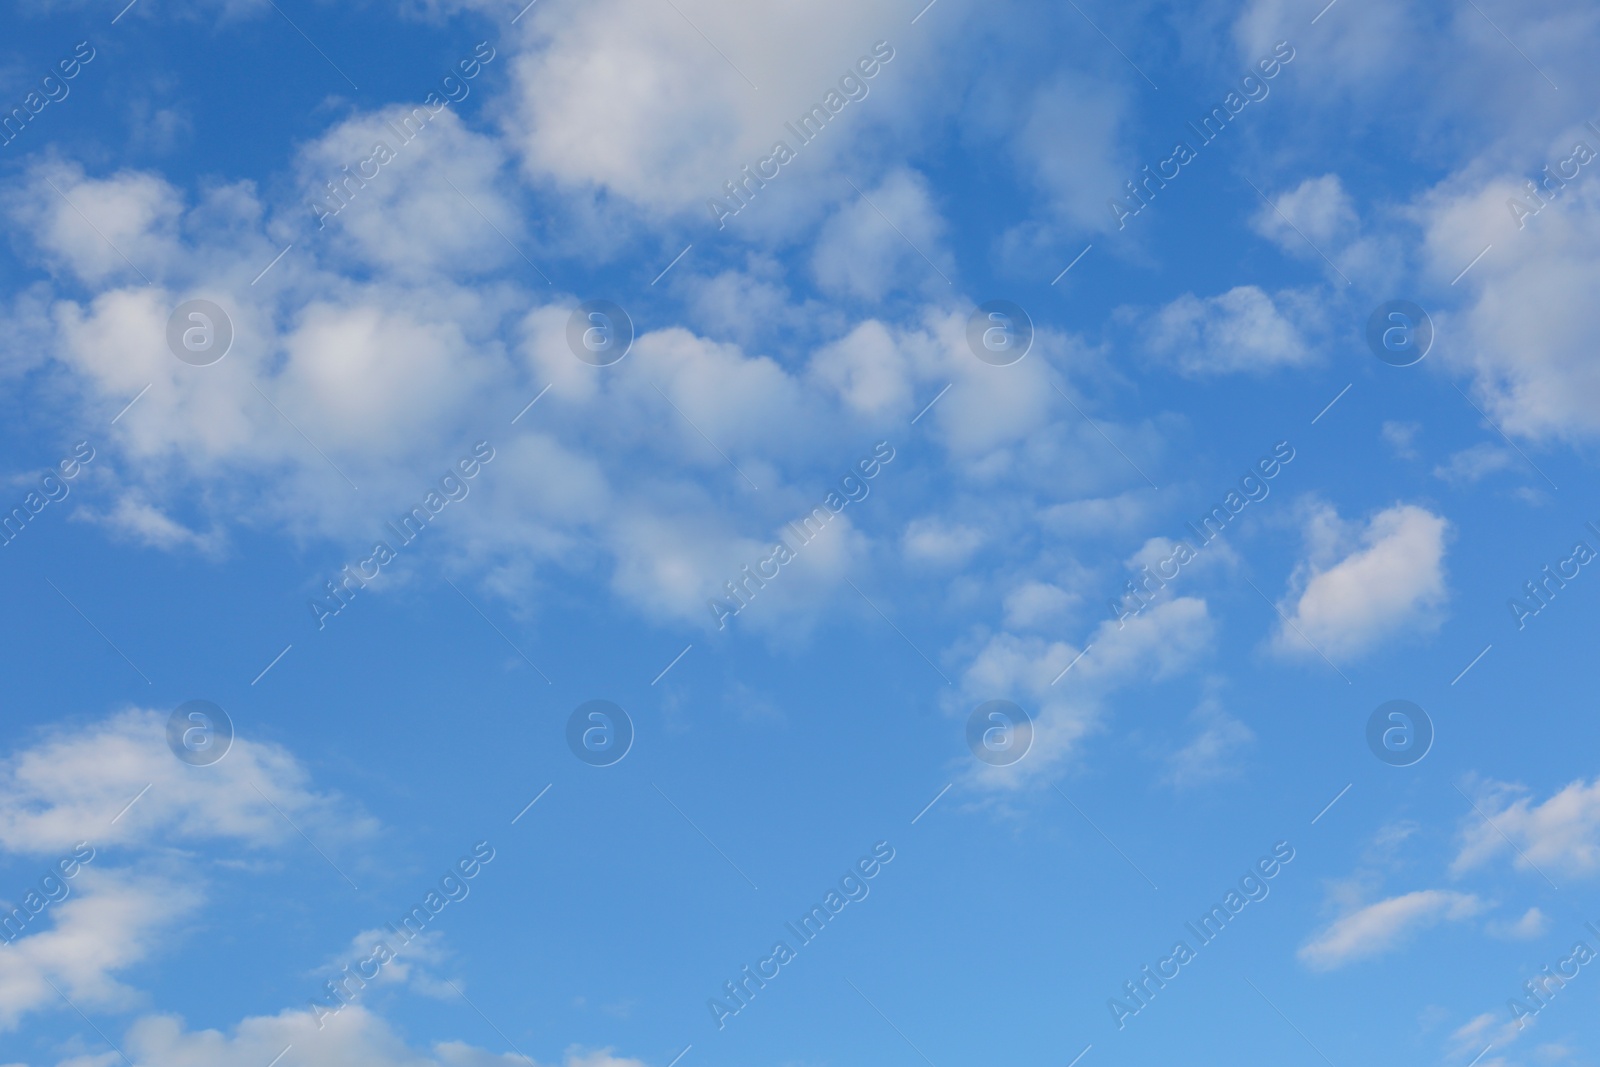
{"x": 933, "y": 540}
{"x": 1318, "y": 209}
{"x": 128, "y": 214}
{"x": 1069, "y": 145}
{"x": 1351, "y": 56}
{"x": 113, "y": 917}
{"x": 868, "y": 371}
{"x": 752, "y": 303}
{"x": 628, "y": 97}
{"x": 354, "y": 1037}
{"x": 1160, "y": 550}
{"x": 1378, "y": 928}
{"x": 116, "y": 786}
{"x": 1524, "y": 329}
{"x": 867, "y": 255}
{"x": 1402, "y": 436}
{"x": 1362, "y": 585}
{"x": 435, "y": 204}
{"x": 377, "y": 379}
{"x": 1560, "y": 835}
{"x": 1318, "y": 219}
{"x": 1119, "y": 514}
{"x": 138, "y": 519}
{"x": 1488, "y": 1029}
{"x": 68, "y": 787}
{"x": 112, "y": 920}
{"x": 1033, "y": 603}
{"x": 412, "y": 967}
{"x": 1213, "y": 752}
{"x": 1242, "y": 330}
{"x": 1476, "y": 463}
{"x": 1532, "y": 925}
{"x": 1166, "y": 638}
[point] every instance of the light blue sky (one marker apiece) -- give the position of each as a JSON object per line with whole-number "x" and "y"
{"x": 956, "y": 528}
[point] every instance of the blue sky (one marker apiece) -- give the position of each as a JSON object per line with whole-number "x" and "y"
{"x": 174, "y": 524}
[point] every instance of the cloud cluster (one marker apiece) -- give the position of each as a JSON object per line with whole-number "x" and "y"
{"x": 148, "y": 879}
{"x": 115, "y": 784}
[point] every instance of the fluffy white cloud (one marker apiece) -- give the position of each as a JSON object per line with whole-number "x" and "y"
{"x": 1243, "y": 329}
{"x": 1318, "y": 219}
{"x": 1377, "y": 928}
{"x": 1166, "y": 638}
{"x": 1525, "y": 330}
{"x": 1364, "y": 584}
{"x": 122, "y": 903}
{"x": 867, "y": 255}
{"x": 71, "y": 785}
{"x": 113, "y": 787}
{"x": 111, "y": 920}
{"x": 413, "y": 194}
{"x": 101, "y": 229}
{"x": 628, "y": 97}
{"x": 1561, "y": 834}
{"x": 1318, "y": 209}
